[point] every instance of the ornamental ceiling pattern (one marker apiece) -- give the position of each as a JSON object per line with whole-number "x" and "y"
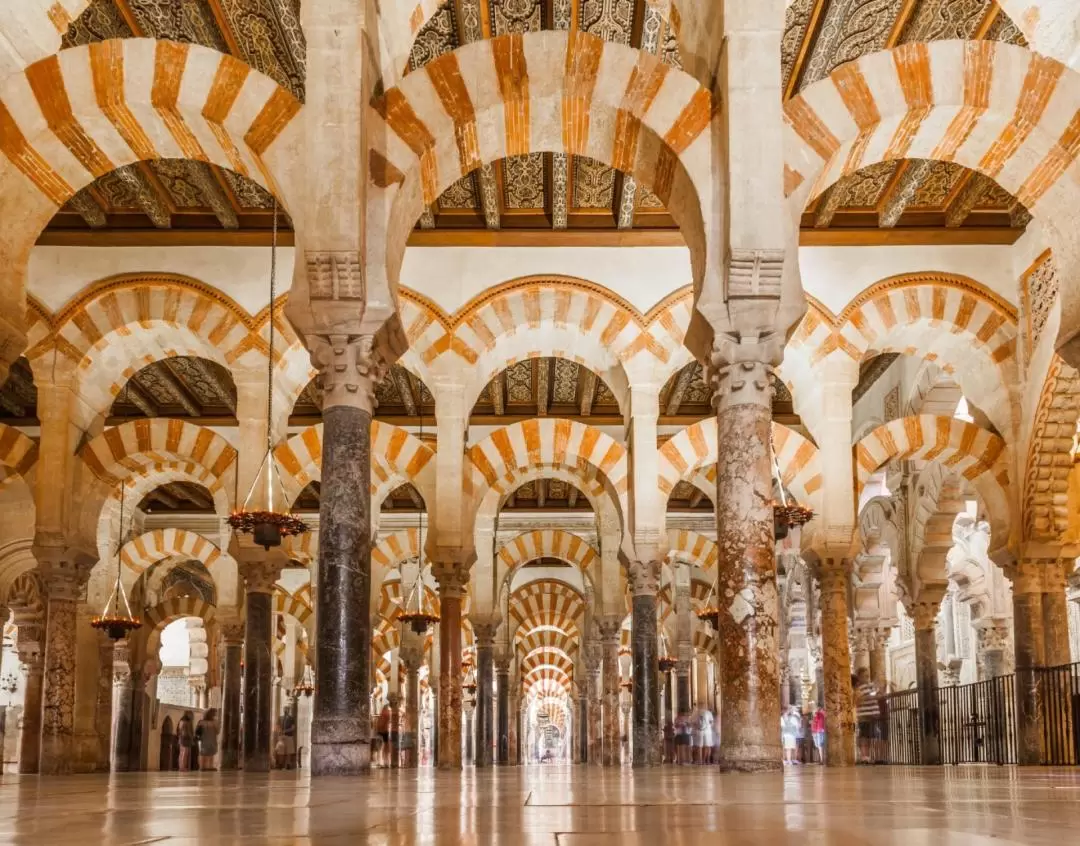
{"x": 544, "y": 190}
{"x": 546, "y": 387}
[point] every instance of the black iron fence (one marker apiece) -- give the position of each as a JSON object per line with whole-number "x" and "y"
{"x": 977, "y": 723}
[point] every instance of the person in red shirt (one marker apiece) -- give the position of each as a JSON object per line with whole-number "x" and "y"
{"x": 817, "y": 729}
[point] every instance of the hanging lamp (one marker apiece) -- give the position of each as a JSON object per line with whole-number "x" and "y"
{"x": 268, "y": 524}
{"x": 306, "y": 685}
{"x": 116, "y": 619}
{"x": 710, "y": 611}
{"x": 419, "y": 619}
{"x": 787, "y": 512}
{"x": 664, "y": 661}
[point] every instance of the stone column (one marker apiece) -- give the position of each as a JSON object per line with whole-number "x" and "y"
{"x": 123, "y": 696}
{"x": 103, "y": 708}
{"x": 31, "y": 654}
{"x": 746, "y": 579}
{"x": 515, "y": 724}
{"x": 833, "y": 575}
{"x": 1056, "y": 612}
{"x": 64, "y": 582}
{"x": 393, "y": 699}
{"x": 412, "y": 660}
{"x": 646, "y": 736}
{"x": 1029, "y": 642}
{"x": 502, "y": 721}
{"x": 259, "y": 578}
{"x": 452, "y": 581}
{"x": 485, "y": 689}
{"x": 341, "y": 725}
{"x": 682, "y": 683}
{"x": 878, "y": 641}
{"x": 702, "y": 699}
{"x": 232, "y": 637}
{"x": 924, "y": 614}
{"x": 609, "y": 643}
{"x": 991, "y": 644}
{"x": 582, "y": 715}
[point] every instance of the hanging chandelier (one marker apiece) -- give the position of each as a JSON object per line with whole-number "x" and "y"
{"x": 306, "y": 685}
{"x": 116, "y": 619}
{"x": 274, "y": 520}
{"x": 787, "y": 512}
{"x": 419, "y": 619}
{"x": 710, "y": 611}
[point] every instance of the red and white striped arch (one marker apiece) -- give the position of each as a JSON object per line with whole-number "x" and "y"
{"x": 547, "y": 603}
{"x": 545, "y": 639}
{"x": 30, "y": 30}
{"x": 691, "y": 451}
{"x": 1051, "y": 27}
{"x": 1004, "y": 111}
{"x": 406, "y": 457}
{"x": 293, "y": 605}
{"x": 974, "y": 453}
{"x": 544, "y": 91}
{"x": 149, "y": 548}
{"x": 80, "y": 114}
{"x": 692, "y": 547}
{"x": 546, "y": 543}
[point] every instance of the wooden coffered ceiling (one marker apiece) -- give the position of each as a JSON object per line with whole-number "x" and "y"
{"x": 895, "y": 201}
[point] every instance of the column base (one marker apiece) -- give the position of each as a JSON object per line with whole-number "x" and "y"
{"x": 55, "y": 758}
{"x": 328, "y": 759}
{"x": 751, "y": 759}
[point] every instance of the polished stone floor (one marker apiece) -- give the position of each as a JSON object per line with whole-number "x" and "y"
{"x": 551, "y": 806}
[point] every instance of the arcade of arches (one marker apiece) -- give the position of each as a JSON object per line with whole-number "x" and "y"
{"x": 569, "y": 295}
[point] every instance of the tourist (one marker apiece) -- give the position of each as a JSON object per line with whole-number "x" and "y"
{"x": 288, "y": 735}
{"x": 669, "y": 742}
{"x": 789, "y": 731}
{"x": 382, "y": 728}
{"x": 817, "y": 729}
{"x": 206, "y": 735}
{"x": 708, "y": 738}
{"x": 185, "y": 734}
{"x": 695, "y": 736}
{"x": 682, "y": 738}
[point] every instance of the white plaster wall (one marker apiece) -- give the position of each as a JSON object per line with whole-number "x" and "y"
{"x": 836, "y": 275}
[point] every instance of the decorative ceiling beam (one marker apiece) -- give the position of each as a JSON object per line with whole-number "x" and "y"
{"x": 211, "y": 376}
{"x": 696, "y": 497}
{"x": 969, "y": 196}
{"x": 134, "y": 395}
{"x": 828, "y": 204}
{"x": 211, "y": 191}
{"x": 146, "y": 196}
{"x": 404, "y": 385}
{"x": 902, "y": 191}
{"x": 174, "y": 385}
{"x": 161, "y": 496}
{"x": 541, "y": 492}
{"x": 571, "y": 496}
{"x": 588, "y": 389}
{"x": 498, "y": 393}
{"x": 88, "y": 209}
{"x": 678, "y": 392}
{"x": 543, "y": 385}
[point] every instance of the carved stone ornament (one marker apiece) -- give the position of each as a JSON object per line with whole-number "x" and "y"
{"x": 741, "y": 383}
{"x": 335, "y": 276}
{"x": 349, "y": 367}
{"x": 645, "y": 578}
{"x": 755, "y": 273}
{"x": 260, "y": 576}
{"x": 451, "y": 578}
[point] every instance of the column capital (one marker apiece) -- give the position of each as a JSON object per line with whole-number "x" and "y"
{"x": 1026, "y": 575}
{"x": 740, "y": 382}
{"x": 451, "y": 578}
{"x": 1055, "y": 574}
{"x": 232, "y": 632}
{"x": 924, "y": 613}
{"x": 485, "y": 626}
{"x": 350, "y": 367}
{"x": 64, "y": 571}
{"x": 992, "y": 635}
{"x": 833, "y": 574}
{"x": 644, "y": 577}
{"x": 260, "y": 576}
{"x": 609, "y": 627}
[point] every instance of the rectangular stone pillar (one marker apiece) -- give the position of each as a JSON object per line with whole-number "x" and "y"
{"x": 64, "y": 589}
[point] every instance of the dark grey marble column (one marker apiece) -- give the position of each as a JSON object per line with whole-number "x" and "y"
{"x": 502, "y": 719}
{"x": 583, "y": 727}
{"x": 682, "y": 684}
{"x": 1029, "y": 641}
{"x": 485, "y": 691}
{"x": 103, "y": 707}
{"x": 646, "y": 737}
{"x": 123, "y": 696}
{"x": 924, "y": 615}
{"x": 31, "y": 654}
{"x": 749, "y": 671}
{"x": 341, "y": 726}
{"x": 259, "y": 578}
{"x": 232, "y": 638}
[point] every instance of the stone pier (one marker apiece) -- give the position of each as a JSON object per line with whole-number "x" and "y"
{"x": 609, "y": 643}
{"x": 833, "y": 576}
{"x": 646, "y": 737}
{"x": 452, "y": 581}
{"x": 30, "y": 646}
{"x": 924, "y": 614}
{"x": 232, "y": 640}
{"x": 259, "y": 578}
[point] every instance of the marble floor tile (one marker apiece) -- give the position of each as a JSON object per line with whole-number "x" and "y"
{"x": 550, "y": 806}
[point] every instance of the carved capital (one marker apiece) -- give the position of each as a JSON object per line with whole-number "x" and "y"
{"x": 350, "y": 367}
{"x": 452, "y": 579}
{"x": 924, "y": 614}
{"x": 484, "y": 628}
{"x": 1055, "y": 575}
{"x": 1026, "y": 575}
{"x": 992, "y": 637}
{"x": 232, "y": 632}
{"x": 260, "y": 576}
{"x": 609, "y": 628}
{"x": 644, "y": 578}
{"x": 747, "y": 382}
{"x": 64, "y": 572}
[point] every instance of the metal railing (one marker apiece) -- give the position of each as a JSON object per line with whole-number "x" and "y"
{"x": 978, "y": 723}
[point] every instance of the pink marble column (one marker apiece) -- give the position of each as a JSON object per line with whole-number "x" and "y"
{"x": 1029, "y": 641}
{"x": 609, "y": 643}
{"x": 452, "y": 581}
{"x": 833, "y": 575}
{"x": 31, "y": 654}
{"x": 746, "y": 579}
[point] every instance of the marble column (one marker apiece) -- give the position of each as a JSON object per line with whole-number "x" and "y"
{"x": 594, "y": 704}
{"x": 582, "y": 727}
{"x": 393, "y": 699}
{"x": 833, "y": 575}
{"x": 232, "y": 637}
{"x": 646, "y": 736}
{"x": 484, "y": 632}
{"x": 924, "y": 614}
{"x": 259, "y": 578}
{"x": 502, "y": 721}
{"x": 31, "y": 654}
{"x": 878, "y": 641}
{"x": 64, "y": 587}
{"x": 1056, "y": 612}
{"x": 452, "y": 581}
{"x": 513, "y": 734}
{"x": 341, "y": 722}
{"x": 412, "y": 707}
{"x": 123, "y": 696}
{"x": 609, "y": 643}
{"x": 1029, "y": 642}
{"x": 103, "y": 708}
{"x": 746, "y": 577}
{"x": 682, "y": 686}
{"x": 991, "y": 645}
{"x": 702, "y": 699}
